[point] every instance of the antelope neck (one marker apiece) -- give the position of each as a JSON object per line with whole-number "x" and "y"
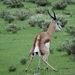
{"x": 51, "y": 28}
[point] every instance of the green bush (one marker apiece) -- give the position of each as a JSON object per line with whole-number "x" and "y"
{"x": 45, "y": 25}
{"x": 14, "y": 3}
{"x": 22, "y": 14}
{"x": 69, "y": 46}
{"x": 12, "y": 68}
{"x": 38, "y": 20}
{"x": 12, "y": 28}
{"x": 32, "y": 1}
{"x": 72, "y": 57}
{"x": 40, "y": 2}
{"x": 1, "y": 0}
{"x": 4, "y": 13}
{"x": 24, "y": 0}
{"x": 60, "y": 4}
{"x": 70, "y": 1}
{"x": 6, "y": 2}
{"x": 43, "y": 2}
{"x": 66, "y": 13}
{"x": 63, "y": 21}
{"x": 71, "y": 30}
{"x": 23, "y": 61}
{"x": 9, "y": 18}
{"x": 60, "y": 48}
{"x": 32, "y": 21}
{"x": 41, "y": 10}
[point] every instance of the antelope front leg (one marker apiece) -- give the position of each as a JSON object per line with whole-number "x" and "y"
{"x": 29, "y": 63}
{"x": 44, "y": 60}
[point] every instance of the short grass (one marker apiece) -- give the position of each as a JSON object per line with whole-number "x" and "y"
{"x": 15, "y": 46}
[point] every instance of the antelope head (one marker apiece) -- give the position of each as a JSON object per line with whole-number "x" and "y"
{"x": 57, "y": 23}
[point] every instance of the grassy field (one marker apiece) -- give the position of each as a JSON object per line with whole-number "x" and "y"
{"x": 14, "y": 47}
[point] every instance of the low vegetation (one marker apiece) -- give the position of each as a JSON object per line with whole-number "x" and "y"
{"x": 12, "y": 68}
{"x": 13, "y": 28}
{"x": 60, "y": 4}
{"x": 13, "y": 3}
{"x": 43, "y": 2}
{"x": 22, "y": 14}
{"x": 71, "y": 30}
{"x": 20, "y": 23}
{"x": 23, "y": 61}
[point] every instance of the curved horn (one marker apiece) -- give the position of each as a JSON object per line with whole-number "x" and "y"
{"x": 54, "y": 15}
{"x": 50, "y": 14}
{"x": 54, "y": 18}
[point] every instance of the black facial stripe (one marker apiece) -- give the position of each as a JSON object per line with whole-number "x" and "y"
{"x": 59, "y": 26}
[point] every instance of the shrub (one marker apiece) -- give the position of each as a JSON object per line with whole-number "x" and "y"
{"x": 72, "y": 57}
{"x": 43, "y": 2}
{"x": 1, "y": 0}
{"x": 4, "y": 13}
{"x": 22, "y": 14}
{"x": 67, "y": 13}
{"x": 41, "y": 10}
{"x": 32, "y": 21}
{"x": 14, "y": 3}
{"x": 69, "y": 46}
{"x": 60, "y": 4}
{"x": 60, "y": 48}
{"x": 51, "y": 50}
{"x": 70, "y": 1}
{"x": 6, "y": 2}
{"x": 32, "y": 1}
{"x": 12, "y": 68}
{"x": 9, "y": 17}
{"x": 71, "y": 30}
{"x": 23, "y": 61}
{"x": 23, "y": 0}
{"x": 45, "y": 25}
{"x": 63, "y": 21}
{"x": 12, "y": 28}
{"x": 38, "y": 20}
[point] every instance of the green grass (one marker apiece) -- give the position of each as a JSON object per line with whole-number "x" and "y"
{"x": 15, "y": 46}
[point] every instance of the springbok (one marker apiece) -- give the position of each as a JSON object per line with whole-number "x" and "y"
{"x": 42, "y": 42}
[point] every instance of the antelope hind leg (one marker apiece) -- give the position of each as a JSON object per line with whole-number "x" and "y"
{"x": 44, "y": 60}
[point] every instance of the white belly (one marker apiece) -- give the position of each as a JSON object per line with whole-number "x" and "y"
{"x": 47, "y": 45}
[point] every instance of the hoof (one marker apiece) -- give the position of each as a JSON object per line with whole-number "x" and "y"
{"x": 25, "y": 70}
{"x": 55, "y": 70}
{"x": 38, "y": 68}
{"x": 47, "y": 68}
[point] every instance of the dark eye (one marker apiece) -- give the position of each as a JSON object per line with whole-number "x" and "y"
{"x": 57, "y": 23}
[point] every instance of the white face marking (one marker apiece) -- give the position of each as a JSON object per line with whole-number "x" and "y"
{"x": 58, "y": 27}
